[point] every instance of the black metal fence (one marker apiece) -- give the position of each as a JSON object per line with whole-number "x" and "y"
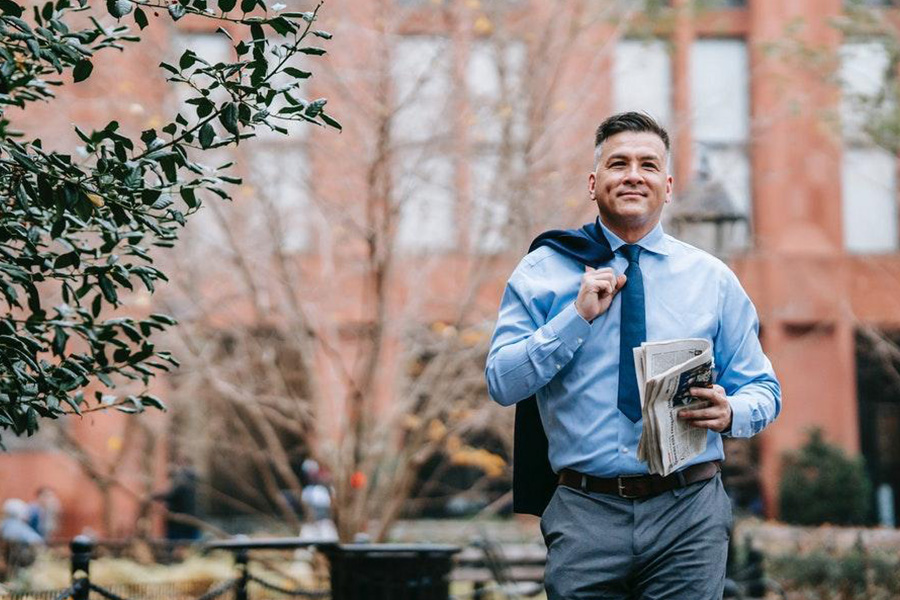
{"x": 357, "y": 572}
{"x": 245, "y": 585}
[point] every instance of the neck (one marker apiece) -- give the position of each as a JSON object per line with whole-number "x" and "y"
{"x": 628, "y": 233}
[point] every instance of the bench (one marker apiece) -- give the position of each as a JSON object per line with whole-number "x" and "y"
{"x": 515, "y": 570}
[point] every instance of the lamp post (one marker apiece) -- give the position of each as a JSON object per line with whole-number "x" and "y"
{"x": 705, "y": 215}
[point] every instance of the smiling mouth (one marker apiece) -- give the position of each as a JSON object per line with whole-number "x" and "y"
{"x": 633, "y": 194}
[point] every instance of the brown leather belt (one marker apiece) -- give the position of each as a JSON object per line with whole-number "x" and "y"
{"x": 639, "y": 486}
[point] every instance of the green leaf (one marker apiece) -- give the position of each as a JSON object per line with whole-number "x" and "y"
{"x": 227, "y": 5}
{"x": 187, "y": 194}
{"x": 163, "y": 201}
{"x": 331, "y": 121}
{"x": 282, "y": 26}
{"x": 82, "y": 70}
{"x": 152, "y": 401}
{"x": 315, "y": 107}
{"x": 248, "y": 5}
{"x": 293, "y": 72}
{"x": 187, "y": 59}
{"x": 96, "y": 305}
{"x": 140, "y": 17}
{"x": 204, "y": 107}
{"x": 229, "y": 118}
{"x": 11, "y": 8}
{"x": 60, "y": 337}
{"x": 109, "y": 290}
{"x": 70, "y": 259}
{"x": 207, "y": 134}
{"x": 164, "y": 319}
{"x": 32, "y": 421}
{"x": 322, "y": 34}
{"x": 119, "y": 8}
{"x": 312, "y": 50}
{"x": 176, "y": 11}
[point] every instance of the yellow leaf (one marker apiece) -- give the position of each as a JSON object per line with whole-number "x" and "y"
{"x": 96, "y": 200}
{"x": 483, "y": 26}
{"x": 436, "y": 430}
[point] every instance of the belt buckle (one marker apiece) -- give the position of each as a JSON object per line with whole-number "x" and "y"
{"x": 621, "y": 487}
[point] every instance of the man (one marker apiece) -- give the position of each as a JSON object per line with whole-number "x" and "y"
{"x": 572, "y": 311}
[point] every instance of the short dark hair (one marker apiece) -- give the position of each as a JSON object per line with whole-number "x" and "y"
{"x": 630, "y": 121}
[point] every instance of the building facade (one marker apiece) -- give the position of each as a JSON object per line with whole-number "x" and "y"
{"x": 467, "y": 130}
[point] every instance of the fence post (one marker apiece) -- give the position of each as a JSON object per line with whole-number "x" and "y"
{"x": 241, "y": 558}
{"x": 82, "y": 547}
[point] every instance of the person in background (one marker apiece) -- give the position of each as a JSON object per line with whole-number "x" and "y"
{"x": 18, "y": 541}
{"x": 181, "y": 501}
{"x": 316, "y": 500}
{"x": 44, "y": 512}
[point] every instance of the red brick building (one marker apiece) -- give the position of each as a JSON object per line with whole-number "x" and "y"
{"x": 468, "y": 128}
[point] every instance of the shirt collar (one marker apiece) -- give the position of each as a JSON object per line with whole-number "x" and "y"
{"x": 654, "y": 241}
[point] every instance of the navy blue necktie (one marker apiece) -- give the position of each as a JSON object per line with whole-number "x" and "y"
{"x": 633, "y": 333}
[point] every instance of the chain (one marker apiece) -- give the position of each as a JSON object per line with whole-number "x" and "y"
{"x": 210, "y": 595}
{"x": 65, "y": 594}
{"x": 219, "y": 590}
{"x": 106, "y": 593}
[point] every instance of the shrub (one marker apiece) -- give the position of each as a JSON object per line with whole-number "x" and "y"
{"x": 820, "y": 484}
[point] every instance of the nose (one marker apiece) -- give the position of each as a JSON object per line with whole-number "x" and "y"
{"x": 633, "y": 174}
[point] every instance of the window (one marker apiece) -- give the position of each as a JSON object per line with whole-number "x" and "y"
{"x": 720, "y": 121}
{"x": 497, "y": 132}
{"x": 423, "y": 171}
{"x": 869, "y": 178}
{"x": 642, "y": 79}
{"x": 273, "y": 166}
{"x": 278, "y": 171}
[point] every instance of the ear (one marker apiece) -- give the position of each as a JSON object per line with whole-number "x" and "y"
{"x": 592, "y": 185}
{"x": 669, "y": 187}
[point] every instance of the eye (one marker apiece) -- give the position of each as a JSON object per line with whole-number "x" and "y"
{"x": 650, "y": 165}
{"x": 617, "y": 163}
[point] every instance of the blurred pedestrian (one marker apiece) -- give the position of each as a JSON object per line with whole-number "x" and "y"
{"x": 316, "y": 500}
{"x": 18, "y": 541}
{"x": 44, "y": 512}
{"x": 181, "y": 501}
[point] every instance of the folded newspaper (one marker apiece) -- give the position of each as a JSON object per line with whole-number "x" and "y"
{"x": 666, "y": 371}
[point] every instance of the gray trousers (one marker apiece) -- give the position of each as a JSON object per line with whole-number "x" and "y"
{"x": 671, "y": 546}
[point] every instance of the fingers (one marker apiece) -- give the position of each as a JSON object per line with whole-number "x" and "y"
{"x": 716, "y": 393}
{"x": 601, "y": 281}
{"x": 715, "y": 413}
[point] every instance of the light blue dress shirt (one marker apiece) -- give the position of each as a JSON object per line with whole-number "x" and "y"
{"x": 541, "y": 345}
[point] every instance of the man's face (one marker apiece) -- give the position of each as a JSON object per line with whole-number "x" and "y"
{"x": 631, "y": 183}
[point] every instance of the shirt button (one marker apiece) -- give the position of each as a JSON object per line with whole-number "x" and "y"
{"x": 624, "y": 450}
{"x": 580, "y": 340}
{"x": 558, "y": 366}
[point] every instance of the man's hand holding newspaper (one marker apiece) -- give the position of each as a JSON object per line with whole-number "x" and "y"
{"x": 666, "y": 371}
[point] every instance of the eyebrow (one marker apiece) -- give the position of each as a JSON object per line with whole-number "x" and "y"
{"x": 644, "y": 157}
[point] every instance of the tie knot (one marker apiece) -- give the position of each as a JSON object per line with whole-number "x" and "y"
{"x": 631, "y": 252}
